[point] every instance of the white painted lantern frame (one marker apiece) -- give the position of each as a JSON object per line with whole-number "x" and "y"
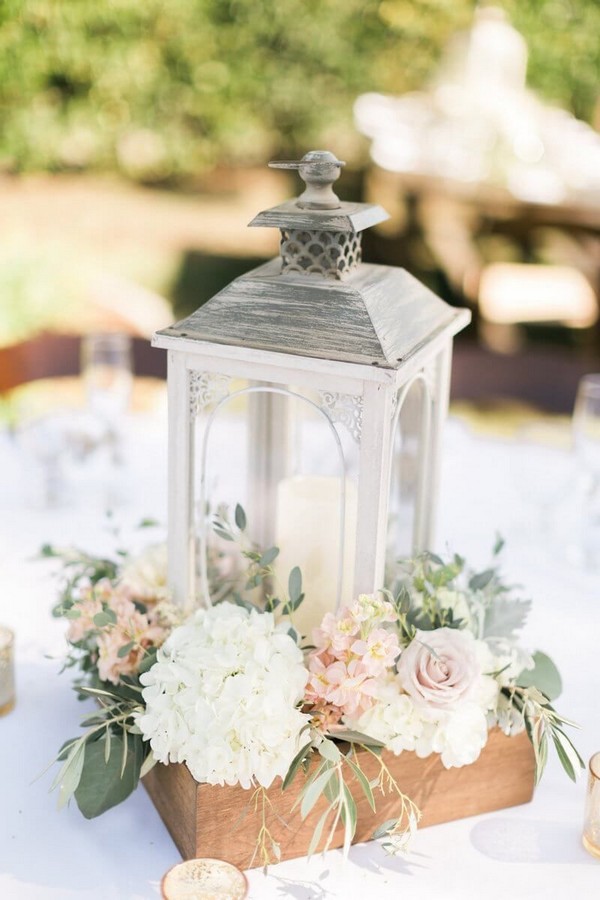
{"x": 366, "y": 396}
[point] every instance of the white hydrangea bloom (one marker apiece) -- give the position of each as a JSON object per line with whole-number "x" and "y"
{"x": 459, "y": 736}
{"x": 223, "y": 695}
{"x": 394, "y": 719}
{"x": 509, "y": 659}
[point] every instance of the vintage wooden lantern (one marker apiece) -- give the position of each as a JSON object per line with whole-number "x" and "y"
{"x": 312, "y": 391}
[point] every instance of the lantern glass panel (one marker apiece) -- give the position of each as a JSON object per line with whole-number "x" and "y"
{"x": 409, "y": 449}
{"x": 276, "y": 450}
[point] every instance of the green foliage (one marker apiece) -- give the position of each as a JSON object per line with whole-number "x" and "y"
{"x": 544, "y": 676}
{"x": 102, "y": 766}
{"x": 543, "y": 724}
{"x": 109, "y": 776}
{"x": 564, "y": 50}
{"x": 167, "y": 88}
{"x": 260, "y": 573}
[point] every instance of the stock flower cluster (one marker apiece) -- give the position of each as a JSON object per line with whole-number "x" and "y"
{"x": 139, "y": 615}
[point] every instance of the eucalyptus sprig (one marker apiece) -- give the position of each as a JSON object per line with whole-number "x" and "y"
{"x": 267, "y": 848}
{"x": 103, "y": 766}
{"x": 261, "y": 572}
{"x": 330, "y": 779}
{"x": 544, "y": 724}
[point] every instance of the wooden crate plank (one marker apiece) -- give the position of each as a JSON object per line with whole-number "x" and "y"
{"x": 207, "y": 820}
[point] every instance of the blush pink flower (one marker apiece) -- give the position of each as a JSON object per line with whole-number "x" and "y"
{"x": 352, "y": 653}
{"x": 440, "y": 668}
{"x": 338, "y": 684}
{"x": 132, "y": 627}
{"x": 378, "y": 652}
{"x": 336, "y": 633}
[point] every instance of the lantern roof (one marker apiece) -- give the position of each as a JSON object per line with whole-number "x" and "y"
{"x": 317, "y": 299}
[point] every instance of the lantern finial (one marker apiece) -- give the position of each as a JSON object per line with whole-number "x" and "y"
{"x": 319, "y": 169}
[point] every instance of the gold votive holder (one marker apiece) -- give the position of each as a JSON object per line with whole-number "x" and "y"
{"x": 7, "y": 670}
{"x": 204, "y": 879}
{"x": 591, "y": 824}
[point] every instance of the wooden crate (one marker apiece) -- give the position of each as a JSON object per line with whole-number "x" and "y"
{"x": 204, "y": 820}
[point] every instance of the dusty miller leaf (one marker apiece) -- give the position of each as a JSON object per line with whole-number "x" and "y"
{"x": 505, "y": 617}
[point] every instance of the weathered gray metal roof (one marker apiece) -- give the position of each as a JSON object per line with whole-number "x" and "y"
{"x": 348, "y": 217}
{"x": 378, "y": 316}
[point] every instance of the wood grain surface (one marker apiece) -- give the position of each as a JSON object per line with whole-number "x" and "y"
{"x": 207, "y": 820}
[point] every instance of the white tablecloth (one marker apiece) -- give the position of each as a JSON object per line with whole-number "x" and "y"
{"x": 526, "y": 852}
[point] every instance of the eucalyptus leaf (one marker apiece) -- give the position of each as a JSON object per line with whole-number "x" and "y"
{"x": 148, "y": 660}
{"x": 104, "y": 618}
{"x": 268, "y": 556}
{"x": 569, "y": 746}
{"x": 332, "y": 789}
{"x": 107, "y": 745}
{"x": 105, "y": 784}
{"x": 70, "y": 774}
{"x": 294, "y": 635}
{"x": 328, "y": 750}
{"x": 295, "y": 765}
{"x": 384, "y": 829}
{"x": 355, "y": 737}
{"x": 72, "y": 614}
{"x": 297, "y": 602}
{"x": 363, "y": 781}
{"x": 544, "y": 676}
{"x": 434, "y": 558}
{"x": 313, "y": 791}
{"x": 240, "y": 517}
{"x": 245, "y": 604}
{"x": 564, "y": 758}
{"x": 125, "y": 650}
{"x": 348, "y": 817}
{"x": 481, "y": 580}
{"x": 317, "y": 833}
{"x": 295, "y": 584}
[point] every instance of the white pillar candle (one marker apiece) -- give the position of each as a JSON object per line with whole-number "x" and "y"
{"x": 308, "y": 536}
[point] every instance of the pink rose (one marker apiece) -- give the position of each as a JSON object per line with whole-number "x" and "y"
{"x": 440, "y": 668}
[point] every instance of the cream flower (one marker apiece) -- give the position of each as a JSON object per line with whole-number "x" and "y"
{"x": 457, "y": 602}
{"x": 394, "y": 718}
{"x": 144, "y": 577}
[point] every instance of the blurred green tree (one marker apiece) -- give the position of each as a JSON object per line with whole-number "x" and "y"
{"x": 164, "y": 89}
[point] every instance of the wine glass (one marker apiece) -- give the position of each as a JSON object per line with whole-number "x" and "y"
{"x": 106, "y": 365}
{"x": 586, "y": 438}
{"x": 107, "y": 372}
